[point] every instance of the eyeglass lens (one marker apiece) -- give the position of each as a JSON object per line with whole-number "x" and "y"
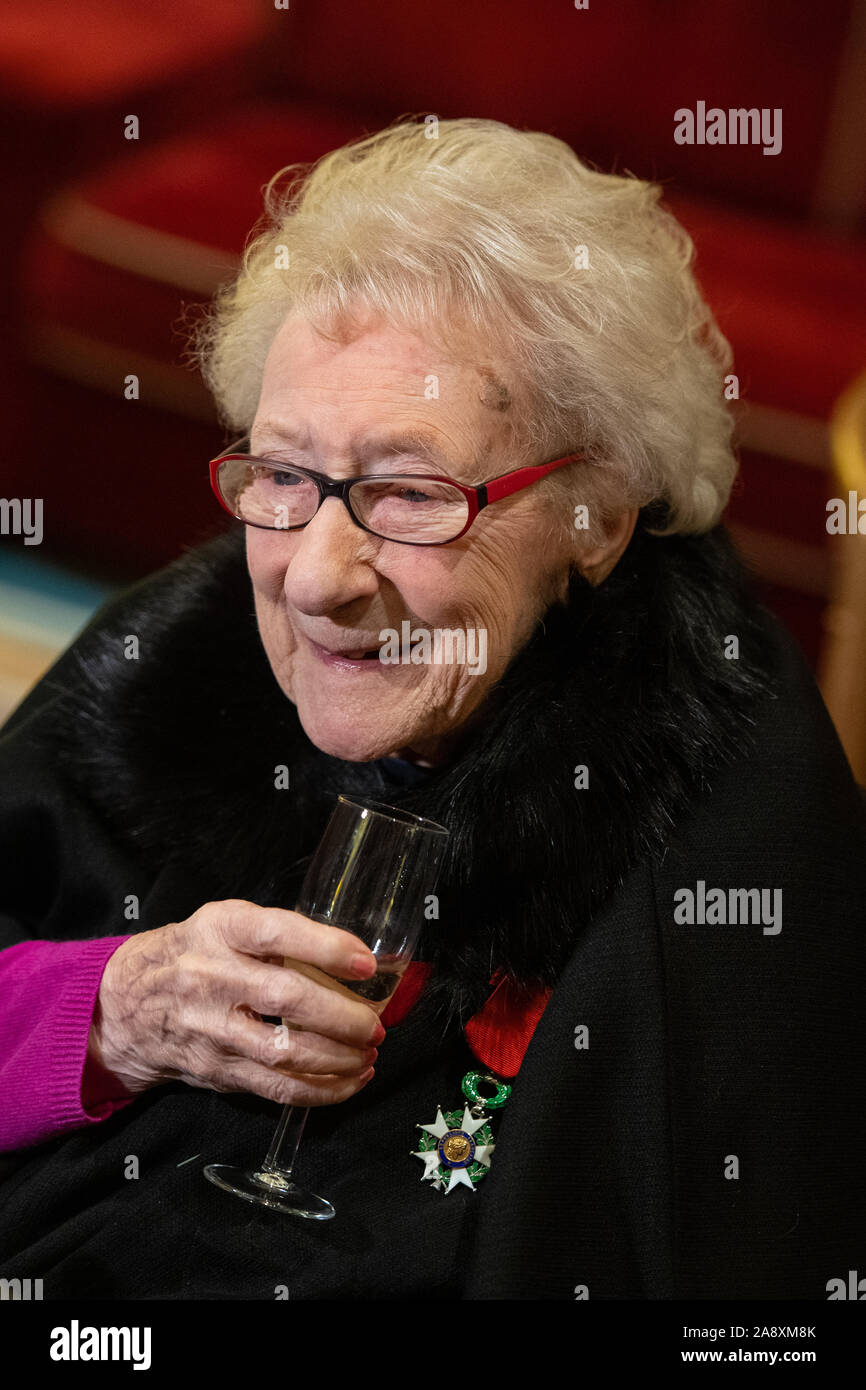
{"x": 400, "y": 508}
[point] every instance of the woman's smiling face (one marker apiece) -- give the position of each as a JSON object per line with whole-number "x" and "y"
{"x": 349, "y": 409}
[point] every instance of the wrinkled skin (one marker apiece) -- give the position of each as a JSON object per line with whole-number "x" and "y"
{"x": 183, "y": 1003}
{"x": 338, "y": 586}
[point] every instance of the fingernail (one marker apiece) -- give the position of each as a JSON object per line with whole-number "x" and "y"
{"x": 378, "y": 1036}
{"x": 365, "y": 966}
{"x": 366, "y": 1076}
{"x": 371, "y": 1054}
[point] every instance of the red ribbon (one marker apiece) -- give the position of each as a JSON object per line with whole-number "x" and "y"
{"x": 499, "y": 1033}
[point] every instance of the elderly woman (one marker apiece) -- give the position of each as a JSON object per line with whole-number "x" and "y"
{"x": 476, "y": 570}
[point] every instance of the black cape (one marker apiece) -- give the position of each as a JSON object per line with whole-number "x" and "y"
{"x": 707, "y": 1141}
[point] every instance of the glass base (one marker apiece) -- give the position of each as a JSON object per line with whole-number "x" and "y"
{"x": 275, "y": 1190}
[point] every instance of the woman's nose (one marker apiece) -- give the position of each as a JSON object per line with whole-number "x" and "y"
{"x": 332, "y": 561}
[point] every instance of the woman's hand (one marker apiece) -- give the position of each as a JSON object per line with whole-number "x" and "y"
{"x": 184, "y": 1003}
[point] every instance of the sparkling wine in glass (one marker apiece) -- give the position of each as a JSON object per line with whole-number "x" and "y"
{"x": 372, "y": 873}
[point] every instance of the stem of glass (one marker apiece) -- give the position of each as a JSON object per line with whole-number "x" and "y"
{"x": 288, "y": 1132}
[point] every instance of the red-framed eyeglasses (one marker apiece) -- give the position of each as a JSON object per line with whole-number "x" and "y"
{"x": 409, "y": 508}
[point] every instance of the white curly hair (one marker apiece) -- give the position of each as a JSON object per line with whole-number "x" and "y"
{"x": 472, "y": 231}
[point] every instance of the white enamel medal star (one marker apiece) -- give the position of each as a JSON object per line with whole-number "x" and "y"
{"x": 456, "y": 1148}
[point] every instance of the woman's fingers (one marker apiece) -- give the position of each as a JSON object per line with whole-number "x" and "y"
{"x": 277, "y": 931}
{"x": 241, "y": 1074}
{"x": 274, "y": 1045}
{"x": 318, "y": 1005}
{"x": 301, "y": 995}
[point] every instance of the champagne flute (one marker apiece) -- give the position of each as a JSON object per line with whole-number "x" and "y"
{"x": 371, "y": 874}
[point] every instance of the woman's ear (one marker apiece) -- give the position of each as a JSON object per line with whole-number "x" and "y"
{"x": 596, "y": 562}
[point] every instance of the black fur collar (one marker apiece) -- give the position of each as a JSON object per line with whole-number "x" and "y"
{"x": 179, "y": 748}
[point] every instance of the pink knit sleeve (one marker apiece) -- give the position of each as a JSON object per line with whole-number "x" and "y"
{"x": 48, "y": 992}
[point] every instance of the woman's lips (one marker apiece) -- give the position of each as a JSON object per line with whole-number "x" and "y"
{"x": 339, "y": 662}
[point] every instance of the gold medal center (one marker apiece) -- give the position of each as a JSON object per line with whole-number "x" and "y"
{"x": 456, "y": 1148}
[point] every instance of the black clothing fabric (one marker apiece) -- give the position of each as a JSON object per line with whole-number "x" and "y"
{"x": 399, "y": 770}
{"x": 707, "y": 1137}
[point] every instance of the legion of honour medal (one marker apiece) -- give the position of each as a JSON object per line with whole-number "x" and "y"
{"x": 457, "y": 1147}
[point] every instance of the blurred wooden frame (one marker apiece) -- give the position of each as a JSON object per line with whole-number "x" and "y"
{"x": 842, "y": 673}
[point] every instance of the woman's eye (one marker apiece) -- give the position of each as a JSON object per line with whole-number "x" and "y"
{"x": 413, "y": 494}
{"x": 287, "y": 479}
